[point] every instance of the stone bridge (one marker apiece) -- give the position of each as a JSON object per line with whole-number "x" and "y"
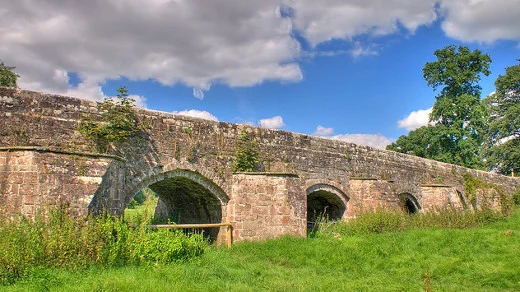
{"x": 188, "y": 162}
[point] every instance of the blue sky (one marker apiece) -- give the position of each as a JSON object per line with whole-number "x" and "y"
{"x": 340, "y": 69}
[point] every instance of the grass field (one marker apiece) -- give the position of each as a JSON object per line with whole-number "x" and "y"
{"x": 486, "y": 258}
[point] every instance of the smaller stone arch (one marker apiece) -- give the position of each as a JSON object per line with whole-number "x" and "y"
{"x": 326, "y": 201}
{"x": 409, "y": 203}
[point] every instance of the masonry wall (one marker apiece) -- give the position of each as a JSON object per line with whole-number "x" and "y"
{"x": 32, "y": 179}
{"x": 367, "y": 177}
{"x": 267, "y": 205}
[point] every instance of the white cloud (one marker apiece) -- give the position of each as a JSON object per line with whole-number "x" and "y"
{"x": 372, "y": 140}
{"x": 199, "y": 43}
{"x": 482, "y": 20}
{"x": 415, "y": 119}
{"x": 197, "y": 114}
{"x": 360, "y": 51}
{"x": 196, "y": 43}
{"x": 198, "y": 93}
{"x": 140, "y": 101}
{"x": 340, "y": 19}
{"x": 322, "y": 131}
{"x": 275, "y": 122}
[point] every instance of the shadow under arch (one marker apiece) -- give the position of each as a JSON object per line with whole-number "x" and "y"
{"x": 187, "y": 197}
{"x": 409, "y": 203}
{"x": 325, "y": 202}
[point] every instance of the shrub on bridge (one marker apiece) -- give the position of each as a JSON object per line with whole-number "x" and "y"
{"x": 60, "y": 240}
{"x": 119, "y": 122}
{"x": 246, "y": 154}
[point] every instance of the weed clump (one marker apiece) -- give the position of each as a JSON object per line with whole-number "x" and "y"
{"x": 246, "y": 155}
{"x": 58, "y": 240}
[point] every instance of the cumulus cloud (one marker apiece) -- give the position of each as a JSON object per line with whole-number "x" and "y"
{"x": 275, "y": 122}
{"x": 415, "y": 119}
{"x": 372, "y": 140}
{"x": 196, "y": 43}
{"x": 481, "y": 21}
{"x": 197, "y": 114}
{"x": 199, "y": 43}
{"x": 322, "y": 131}
{"x": 340, "y": 19}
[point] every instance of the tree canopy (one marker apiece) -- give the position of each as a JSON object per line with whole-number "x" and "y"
{"x": 458, "y": 115}
{"x": 7, "y": 76}
{"x": 504, "y": 128}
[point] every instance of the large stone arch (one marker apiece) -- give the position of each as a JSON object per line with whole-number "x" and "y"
{"x": 325, "y": 200}
{"x": 187, "y": 197}
{"x": 195, "y": 176}
{"x": 409, "y": 203}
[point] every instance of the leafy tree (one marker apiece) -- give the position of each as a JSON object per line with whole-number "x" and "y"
{"x": 7, "y": 76}
{"x": 458, "y": 115}
{"x": 118, "y": 122}
{"x": 424, "y": 142}
{"x": 458, "y": 70}
{"x": 504, "y": 129}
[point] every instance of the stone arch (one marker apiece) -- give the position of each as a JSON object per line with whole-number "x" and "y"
{"x": 325, "y": 200}
{"x": 189, "y": 174}
{"x": 187, "y": 197}
{"x": 409, "y": 203}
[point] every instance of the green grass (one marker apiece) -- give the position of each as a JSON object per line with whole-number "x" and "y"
{"x": 486, "y": 258}
{"x": 139, "y": 212}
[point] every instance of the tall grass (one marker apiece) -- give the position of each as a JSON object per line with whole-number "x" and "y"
{"x": 384, "y": 220}
{"x": 484, "y": 258}
{"x": 58, "y": 240}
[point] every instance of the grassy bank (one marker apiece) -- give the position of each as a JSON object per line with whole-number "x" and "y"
{"x": 484, "y": 258}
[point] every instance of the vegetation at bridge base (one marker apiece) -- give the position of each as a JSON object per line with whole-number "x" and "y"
{"x": 385, "y": 220}
{"x": 516, "y": 197}
{"x": 58, "y": 240}
{"x": 119, "y": 121}
{"x": 427, "y": 255}
{"x": 472, "y": 184}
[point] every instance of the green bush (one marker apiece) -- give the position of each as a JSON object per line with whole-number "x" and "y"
{"x": 58, "y": 240}
{"x": 133, "y": 203}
